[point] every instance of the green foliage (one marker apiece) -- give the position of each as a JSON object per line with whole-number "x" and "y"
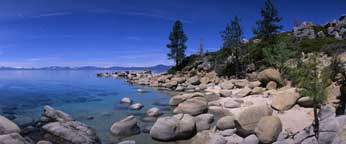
{"x": 232, "y": 35}
{"x": 334, "y": 48}
{"x": 268, "y": 27}
{"x": 315, "y": 45}
{"x": 318, "y": 28}
{"x": 233, "y": 52}
{"x": 189, "y": 61}
{"x": 177, "y": 43}
{"x": 312, "y": 80}
{"x": 277, "y": 55}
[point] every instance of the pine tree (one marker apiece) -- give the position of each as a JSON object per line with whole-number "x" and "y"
{"x": 277, "y": 55}
{"x": 268, "y": 27}
{"x": 177, "y": 43}
{"x": 313, "y": 83}
{"x": 232, "y": 37}
{"x": 201, "y": 48}
{"x": 267, "y": 30}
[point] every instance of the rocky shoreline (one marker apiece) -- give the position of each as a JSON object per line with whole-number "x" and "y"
{"x": 263, "y": 108}
{"x": 207, "y": 109}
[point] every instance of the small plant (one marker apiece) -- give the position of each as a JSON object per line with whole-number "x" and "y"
{"x": 313, "y": 82}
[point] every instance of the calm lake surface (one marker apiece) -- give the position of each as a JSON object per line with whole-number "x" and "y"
{"x": 23, "y": 93}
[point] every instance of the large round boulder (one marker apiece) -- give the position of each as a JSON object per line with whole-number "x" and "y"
{"x": 180, "y": 126}
{"x": 251, "y": 139}
{"x": 249, "y": 118}
{"x": 71, "y": 132}
{"x": 268, "y": 75}
{"x": 13, "y": 138}
{"x": 208, "y": 137}
{"x": 195, "y": 80}
{"x": 204, "y": 121}
{"x": 175, "y": 100}
{"x": 228, "y": 85}
{"x": 285, "y": 99}
{"x": 268, "y": 129}
{"x": 241, "y": 83}
{"x": 271, "y": 85}
{"x": 44, "y": 142}
{"x": 243, "y": 92}
{"x": 193, "y": 106}
{"x": 126, "y": 127}
{"x": 226, "y": 122}
{"x": 7, "y": 126}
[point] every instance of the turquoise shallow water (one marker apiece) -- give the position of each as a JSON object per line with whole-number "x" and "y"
{"x": 79, "y": 93}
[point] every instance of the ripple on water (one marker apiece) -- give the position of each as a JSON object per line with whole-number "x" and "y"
{"x": 81, "y": 94}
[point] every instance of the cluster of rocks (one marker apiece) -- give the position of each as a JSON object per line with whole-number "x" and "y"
{"x": 263, "y": 108}
{"x": 210, "y": 109}
{"x": 129, "y": 125}
{"x": 335, "y": 28}
{"x": 54, "y": 126}
{"x": 9, "y": 132}
{"x": 129, "y": 101}
{"x": 332, "y": 130}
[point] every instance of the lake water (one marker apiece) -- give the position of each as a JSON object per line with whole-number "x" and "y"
{"x": 79, "y": 93}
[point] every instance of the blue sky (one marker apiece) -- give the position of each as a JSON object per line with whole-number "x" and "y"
{"x": 38, "y": 33}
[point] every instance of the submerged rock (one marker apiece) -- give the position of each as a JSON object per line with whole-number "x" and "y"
{"x": 126, "y": 127}
{"x": 128, "y": 142}
{"x": 141, "y": 91}
{"x": 126, "y": 100}
{"x": 52, "y": 115}
{"x": 153, "y": 112}
{"x": 136, "y": 106}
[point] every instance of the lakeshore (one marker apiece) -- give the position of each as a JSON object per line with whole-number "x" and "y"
{"x": 202, "y": 108}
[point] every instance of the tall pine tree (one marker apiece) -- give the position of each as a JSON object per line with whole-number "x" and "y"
{"x": 267, "y": 30}
{"x": 177, "y": 43}
{"x": 201, "y": 48}
{"x": 232, "y": 35}
{"x": 232, "y": 47}
{"x": 268, "y": 27}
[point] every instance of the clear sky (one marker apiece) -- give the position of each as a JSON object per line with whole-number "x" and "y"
{"x": 38, "y": 33}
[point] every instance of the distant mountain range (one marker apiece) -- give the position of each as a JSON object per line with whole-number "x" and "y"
{"x": 154, "y": 68}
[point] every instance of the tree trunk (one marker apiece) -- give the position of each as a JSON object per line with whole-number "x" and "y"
{"x": 316, "y": 125}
